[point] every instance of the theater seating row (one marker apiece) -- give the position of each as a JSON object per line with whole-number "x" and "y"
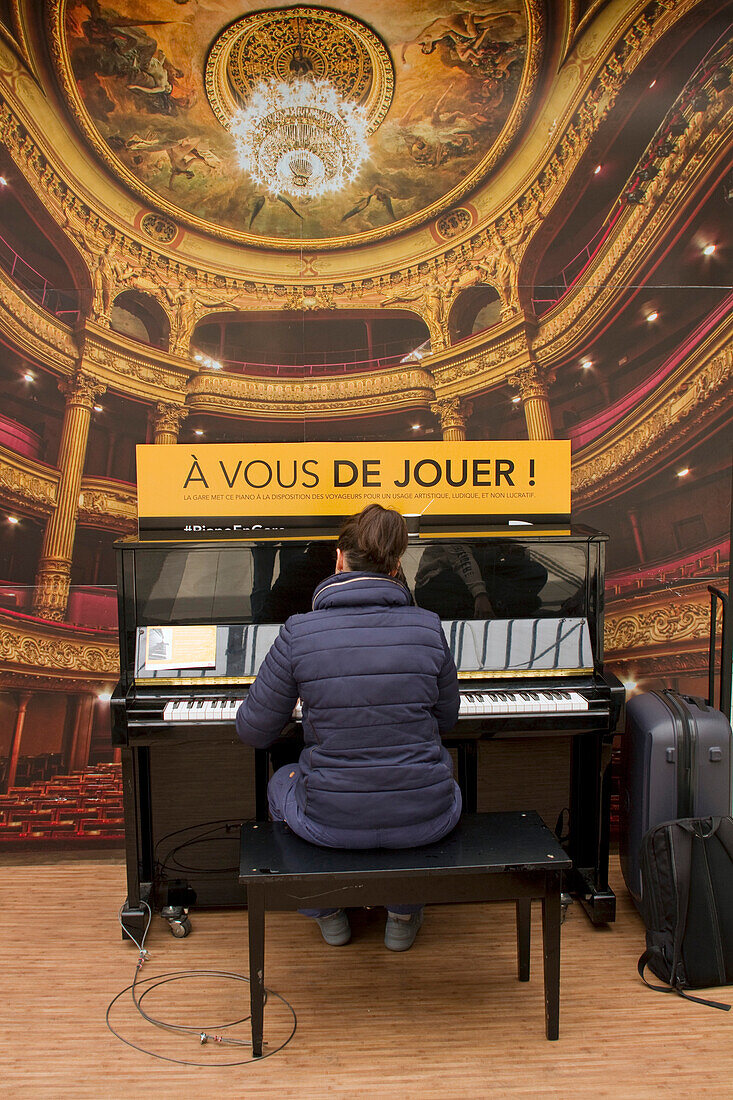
{"x": 82, "y": 805}
{"x": 32, "y": 768}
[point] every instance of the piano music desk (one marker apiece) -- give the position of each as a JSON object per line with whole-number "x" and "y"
{"x": 487, "y": 857}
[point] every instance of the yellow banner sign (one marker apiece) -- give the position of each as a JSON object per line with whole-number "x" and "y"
{"x": 239, "y": 489}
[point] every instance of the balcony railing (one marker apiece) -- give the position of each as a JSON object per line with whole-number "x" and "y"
{"x": 695, "y": 565}
{"x": 590, "y": 430}
{"x": 307, "y": 370}
{"x": 711, "y": 70}
{"x": 558, "y": 286}
{"x": 54, "y": 300}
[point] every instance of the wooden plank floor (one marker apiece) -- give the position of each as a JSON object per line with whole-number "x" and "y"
{"x": 446, "y": 1019}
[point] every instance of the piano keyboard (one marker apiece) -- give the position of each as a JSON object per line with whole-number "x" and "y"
{"x": 521, "y": 702}
{"x": 473, "y": 704}
{"x": 209, "y": 710}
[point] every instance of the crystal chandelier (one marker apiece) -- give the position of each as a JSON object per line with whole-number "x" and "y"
{"x": 300, "y": 137}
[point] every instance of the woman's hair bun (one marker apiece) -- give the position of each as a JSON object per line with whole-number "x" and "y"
{"x": 374, "y": 540}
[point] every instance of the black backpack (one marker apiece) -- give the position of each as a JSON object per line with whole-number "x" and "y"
{"x": 687, "y": 904}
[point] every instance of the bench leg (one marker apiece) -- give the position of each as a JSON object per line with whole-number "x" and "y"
{"x": 551, "y": 922}
{"x": 256, "y": 927}
{"x": 524, "y": 925}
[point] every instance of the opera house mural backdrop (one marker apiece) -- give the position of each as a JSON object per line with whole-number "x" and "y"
{"x": 507, "y": 219}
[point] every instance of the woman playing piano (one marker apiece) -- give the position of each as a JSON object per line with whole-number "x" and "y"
{"x": 377, "y": 685}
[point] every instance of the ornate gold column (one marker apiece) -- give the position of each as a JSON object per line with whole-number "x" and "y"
{"x": 167, "y": 418}
{"x": 532, "y": 387}
{"x": 54, "y": 569}
{"x": 452, "y": 413}
{"x": 23, "y": 701}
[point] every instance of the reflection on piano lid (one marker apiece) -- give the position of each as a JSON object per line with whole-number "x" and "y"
{"x": 520, "y": 645}
{"x": 499, "y": 647}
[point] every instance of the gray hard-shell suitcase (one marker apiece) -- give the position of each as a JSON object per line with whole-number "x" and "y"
{"x": 675, "y": 756}
{"x": 675, "y": 762}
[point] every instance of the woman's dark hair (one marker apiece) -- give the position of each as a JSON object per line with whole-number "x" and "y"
{"x": 374, "y": 540}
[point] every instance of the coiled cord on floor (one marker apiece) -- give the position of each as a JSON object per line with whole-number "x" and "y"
{"x": 155, "y": 981}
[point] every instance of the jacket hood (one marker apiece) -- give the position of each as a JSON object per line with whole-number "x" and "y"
{"x": 360, "y": 590}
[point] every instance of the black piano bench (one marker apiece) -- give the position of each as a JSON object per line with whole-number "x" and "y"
{"x": 487, "y": 857}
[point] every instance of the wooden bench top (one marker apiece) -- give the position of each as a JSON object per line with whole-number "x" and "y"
{"x": 480, "y": 843}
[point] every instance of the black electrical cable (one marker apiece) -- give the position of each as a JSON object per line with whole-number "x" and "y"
{"x": 171, "y": 862}
{"x": 227, "y": 821}
{"x": 179, "y": 975}
{"x": 168, "y": 860}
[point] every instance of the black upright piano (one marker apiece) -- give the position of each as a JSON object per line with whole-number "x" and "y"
{"x": 523, "y": 614}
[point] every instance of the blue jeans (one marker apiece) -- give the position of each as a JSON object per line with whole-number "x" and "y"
{"x": 277, "y": 791}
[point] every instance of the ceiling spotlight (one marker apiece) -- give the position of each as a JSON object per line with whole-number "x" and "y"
{"x": 597, "y": 169}
{"x": 516, "y": 400}
{"x": 416, "y": 427}
{"x": 3, "y": 181}
{"x": 708, "y": 250}
{"x": 653, "y": 82}
{"x": 13, "y": 519}
{"x": 98, "y": 408}
{"x": 29, "y": 377}
{"x": 684, "y": 472}
{"x": 587, "y": 364}
{"x": 653, "y": 316}
{"x": 198, "y": 431}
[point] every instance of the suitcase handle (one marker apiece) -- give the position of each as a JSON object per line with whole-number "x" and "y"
{"x": 723, "y": 704}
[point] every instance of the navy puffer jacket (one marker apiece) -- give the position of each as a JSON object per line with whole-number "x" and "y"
{"x": 378, "y": 685}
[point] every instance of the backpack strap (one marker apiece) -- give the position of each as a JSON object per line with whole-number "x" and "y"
{"x": 655, "y": 952}
{"x": 681, "y": 860}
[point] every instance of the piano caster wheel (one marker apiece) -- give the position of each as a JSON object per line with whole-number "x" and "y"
{"x": 180, "y": 928}
{"x": 178, "y": 921}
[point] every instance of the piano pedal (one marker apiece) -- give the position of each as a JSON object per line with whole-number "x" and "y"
{"x": 178, "y": 922}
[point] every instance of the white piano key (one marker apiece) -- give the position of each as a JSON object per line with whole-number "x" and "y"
{"x": 578, "y": 701}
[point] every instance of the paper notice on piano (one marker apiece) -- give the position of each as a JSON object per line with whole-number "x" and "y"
{"x": 174, "y": 647}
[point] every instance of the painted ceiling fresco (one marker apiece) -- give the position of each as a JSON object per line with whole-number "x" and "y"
{"x": 135, "y": 74}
